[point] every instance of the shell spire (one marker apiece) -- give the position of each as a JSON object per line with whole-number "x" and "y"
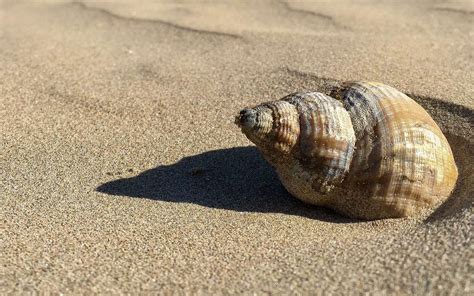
{"x": 309, "y": 129}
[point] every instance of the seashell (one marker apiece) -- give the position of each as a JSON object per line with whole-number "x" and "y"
{"x": 367, "y": 151}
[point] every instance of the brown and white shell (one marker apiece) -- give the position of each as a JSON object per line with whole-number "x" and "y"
{"x": 369, "y": 151}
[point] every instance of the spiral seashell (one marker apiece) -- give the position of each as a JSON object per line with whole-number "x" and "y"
{"x": 368, "y": 151}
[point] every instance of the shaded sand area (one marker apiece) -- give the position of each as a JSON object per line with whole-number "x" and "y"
{"x": 122, "y": 171}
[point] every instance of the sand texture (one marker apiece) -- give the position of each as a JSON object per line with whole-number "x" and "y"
{"x": 121, "y": 169}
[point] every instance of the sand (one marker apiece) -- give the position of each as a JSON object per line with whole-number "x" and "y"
{"x": 122, "y": 170}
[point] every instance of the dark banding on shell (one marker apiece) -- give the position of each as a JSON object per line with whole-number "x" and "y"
{"x": 402, "y": 161}
{"x": 326, "y": 141}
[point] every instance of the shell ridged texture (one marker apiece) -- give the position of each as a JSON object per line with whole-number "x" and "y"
{"x": 403, "y": 158}
{"x": 372, "y": 153}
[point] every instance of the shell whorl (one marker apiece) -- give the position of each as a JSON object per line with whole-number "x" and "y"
{"x": 370, "y": 153}
{"x": 310, "y": 129}
{"x": 273, "y": 127}
{"x": 403, "y": 162}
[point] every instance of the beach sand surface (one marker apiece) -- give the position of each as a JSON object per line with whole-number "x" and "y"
{"x": 122, "y": 170}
